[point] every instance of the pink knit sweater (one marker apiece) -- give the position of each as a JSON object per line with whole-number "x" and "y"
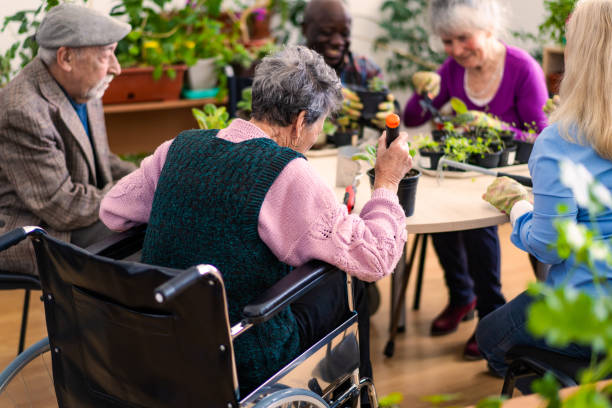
{"x": 300, "y": 218}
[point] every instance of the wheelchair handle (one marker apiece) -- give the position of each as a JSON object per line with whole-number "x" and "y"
{"x": 17, "y": 235}
{"x": 182, "y": 281}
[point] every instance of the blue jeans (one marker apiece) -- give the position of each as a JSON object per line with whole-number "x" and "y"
{"x": 471, "y": 263}
{"x": 506, "y": 327}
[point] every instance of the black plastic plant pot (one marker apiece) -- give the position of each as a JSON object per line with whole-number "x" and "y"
{"x": 439, "y": 135}
{"x": 406, "y": 192}
{"x": 343, "y": 138}
{"x": 523, "y": 151}
{"x": 507, "y": 135}
{"x": 508, "y": 155}
{"x": 429, "y": 159}
{"x": 488, "y": 161}
{"x": 370, "y": 101}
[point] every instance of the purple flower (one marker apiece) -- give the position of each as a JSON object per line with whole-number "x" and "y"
{"x": 260, "y": 14}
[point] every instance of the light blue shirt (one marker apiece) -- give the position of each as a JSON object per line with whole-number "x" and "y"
{"x": 534, "y": 231}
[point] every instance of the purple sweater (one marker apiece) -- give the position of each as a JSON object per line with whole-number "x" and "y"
{"x": 519, "y": 100}
{"x": 300, "y": 219}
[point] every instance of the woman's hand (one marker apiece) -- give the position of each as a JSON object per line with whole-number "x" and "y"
{"x": 393, "y": 163}
{"x": 504, "y": 192}
{"x": 425, "y": 81}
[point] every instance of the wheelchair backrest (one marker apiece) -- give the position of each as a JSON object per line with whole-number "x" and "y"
{"x": 112, "y": 345}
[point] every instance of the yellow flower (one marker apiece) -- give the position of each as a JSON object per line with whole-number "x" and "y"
{"x": 189, "y": 44}
{"x": 151, "y": 44}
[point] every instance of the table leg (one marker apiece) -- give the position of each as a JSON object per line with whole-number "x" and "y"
{"x": 398, "y": 302}
{"x": 419, "y": 282}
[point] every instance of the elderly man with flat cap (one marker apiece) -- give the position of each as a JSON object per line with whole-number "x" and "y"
{"x": 55, "y": 163}
{"x": 327, "y": 29}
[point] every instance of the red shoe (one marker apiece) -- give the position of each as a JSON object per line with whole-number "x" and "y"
{"x": 471, "y": 352}
{"x": 449, "y": 319}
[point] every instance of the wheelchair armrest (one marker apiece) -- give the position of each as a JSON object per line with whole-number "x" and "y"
{"x": 120, "y": 245}
{"x": 287, "y": 290}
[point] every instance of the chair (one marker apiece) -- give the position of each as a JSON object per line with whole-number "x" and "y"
{"x": 526, "y": 364}
{"x": 125, "y": 334}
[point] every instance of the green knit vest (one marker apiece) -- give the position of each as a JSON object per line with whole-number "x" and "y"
{"x": 206, "y": 210}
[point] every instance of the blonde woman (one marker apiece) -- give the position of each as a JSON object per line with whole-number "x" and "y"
{"x": 580, "y": 130}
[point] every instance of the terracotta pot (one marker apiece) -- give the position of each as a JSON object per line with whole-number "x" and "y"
{"x": 137, "y": 85}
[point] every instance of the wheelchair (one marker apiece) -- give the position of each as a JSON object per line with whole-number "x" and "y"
{"x": 126, "y": 334}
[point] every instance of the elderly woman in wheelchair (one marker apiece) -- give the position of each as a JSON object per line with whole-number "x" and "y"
{"x": 246, "y": 200}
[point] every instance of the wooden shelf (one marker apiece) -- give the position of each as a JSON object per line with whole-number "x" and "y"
{"x": 553, "y": 65}
{"x": 162, "y": 105}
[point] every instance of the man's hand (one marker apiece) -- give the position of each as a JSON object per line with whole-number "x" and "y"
{"x": 351, "y": 106}
{"x": 426, "y": 81}
{"x": 504, "y": 192}
{"x": 384, "y": 109}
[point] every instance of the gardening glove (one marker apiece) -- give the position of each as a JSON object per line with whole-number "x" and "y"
{"x": 351, "y": 106}
{"x": 425, "y": 81}
{"x": 384, "y": 109}
{"x": 504, "y": 192}
{"x": 551, "y": 105}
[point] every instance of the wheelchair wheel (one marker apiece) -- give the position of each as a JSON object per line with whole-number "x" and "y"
{"x": 292, "y": 398}
{"x": 28, "y": 379}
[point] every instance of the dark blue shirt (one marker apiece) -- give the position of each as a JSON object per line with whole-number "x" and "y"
{"x": 81, "y": 111}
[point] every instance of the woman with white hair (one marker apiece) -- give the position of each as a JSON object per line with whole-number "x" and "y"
{"x": 492, "y": 77}
{"x": 580, "y": 131}
{"x": 246, "y": 200}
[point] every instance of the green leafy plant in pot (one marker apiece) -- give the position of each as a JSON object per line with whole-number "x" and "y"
{"x": 430, "y": 152}
{"x": 406, "y": 191}
{"x": 371, "y": 97}
{"x": 211, "y": 117}
{"x": 346, "y": 130}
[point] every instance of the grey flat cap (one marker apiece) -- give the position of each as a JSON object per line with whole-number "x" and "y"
{"x": 70, "y": 25}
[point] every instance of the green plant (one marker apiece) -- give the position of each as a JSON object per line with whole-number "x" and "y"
{"x": 457, "y": 148}
{"x": 425, "y": 142}
{"x": 369, "y": 154}
{"x": 376, "y": 84}
{"x": 346, "y": 123}
{"x": 135, "y": 158}
{"x": 246, "y": 103}
{"x": 329, "y": 128}
{"x": 406, "y": 37}
{"x": 554, "y": 24}
{"x": 211, "y": 117}
{"x": 26, "y": 21}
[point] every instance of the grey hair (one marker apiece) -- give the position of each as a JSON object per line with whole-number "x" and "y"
{"x": 452, "y": 16}
{"x": 293, "y": 80}
{"x": 48, "y": 55}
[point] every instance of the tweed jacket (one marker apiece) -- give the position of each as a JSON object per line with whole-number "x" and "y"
{"x": 48, "y": 171}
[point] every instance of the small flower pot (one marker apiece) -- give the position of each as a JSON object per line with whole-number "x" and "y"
{"x": 343, "y": 138}
{"x": 439, "y": 135}
{"x": 507, "y": 136}
{"x": 406, "y": 192}
{"x": 488, "y": 160}
{"x": 202, "y": 75}
{"x": 429, "y": 159}
{"x": 523, "y": 151}
{"x": 370, "y": 101}
{"x": 508, "y": 155}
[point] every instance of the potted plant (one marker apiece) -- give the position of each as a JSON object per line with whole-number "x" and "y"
{"x": 406, "y": 190}
{"x": 346, "y": 130}
{"x": 525, "y": 143}
{"x": 430, "y": 152}
{"x": 372, "y": 96}
{"x": 482, "y": 154}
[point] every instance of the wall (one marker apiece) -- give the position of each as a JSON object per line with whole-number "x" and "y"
{"x": 523, "y": 15}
